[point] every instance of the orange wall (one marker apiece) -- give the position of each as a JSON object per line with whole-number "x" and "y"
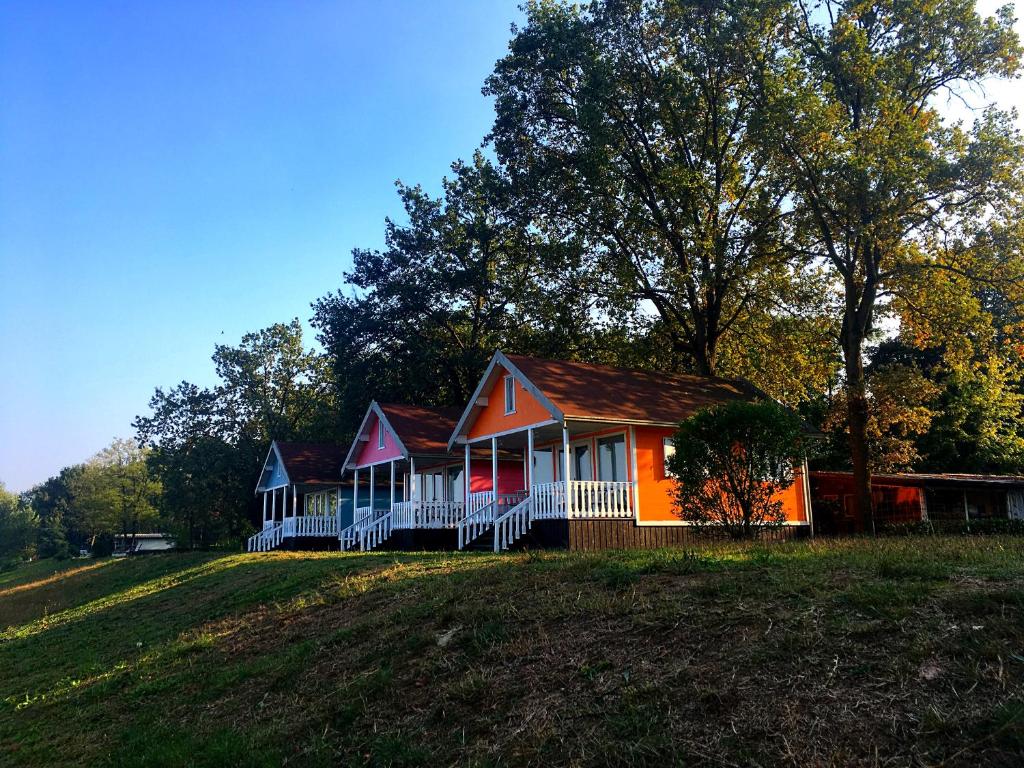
{"x": 492, "y": 419}
{"x": 655, "y": 489}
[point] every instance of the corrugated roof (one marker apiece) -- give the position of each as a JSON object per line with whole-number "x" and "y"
{"x": 312, "y": 462}
{"x": 600, "y": 392}
{"x": 422, "y": 430}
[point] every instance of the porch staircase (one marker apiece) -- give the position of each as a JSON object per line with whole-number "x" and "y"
{"x": 368, "y": 533}
{"x": 267, "y": 539}
{"x": 497, "y": 525}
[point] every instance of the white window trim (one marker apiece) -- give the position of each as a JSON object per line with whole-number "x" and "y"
{"x": 510, "y": 390}
{"x": 665, "y": 443}
{"x": 380, "y": 436}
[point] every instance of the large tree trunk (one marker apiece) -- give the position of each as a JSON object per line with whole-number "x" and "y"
{"x": 857, "y": 418}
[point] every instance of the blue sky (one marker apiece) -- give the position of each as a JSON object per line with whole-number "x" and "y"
{"x": 173, "y": 175}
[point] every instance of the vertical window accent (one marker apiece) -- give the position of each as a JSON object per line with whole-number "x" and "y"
{"x": 510, "y": 395}
{"x": 668, "y": 450}
{"x": 380, "y": 435}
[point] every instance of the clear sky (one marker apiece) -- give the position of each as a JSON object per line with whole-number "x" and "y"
{"x": 175, "y": 174}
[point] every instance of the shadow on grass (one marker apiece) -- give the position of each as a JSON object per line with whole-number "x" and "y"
{"x": 296, "y": 656}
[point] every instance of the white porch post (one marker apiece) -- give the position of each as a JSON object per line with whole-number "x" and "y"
{"x": 273, "y": 505}
{"x": 494, "y": 468}
{"x": 566, "y": 464}
{"x": 372, "y": 479}
{"x": 295, "y": 501}
{"x": 466, "y": 478}
{"x": 355, "y": 492}
{"x": 264, "y": 509}
{"x": 413, "y": 490}
{"x": 392, "y": 483}
{"x": 529, "y": 461}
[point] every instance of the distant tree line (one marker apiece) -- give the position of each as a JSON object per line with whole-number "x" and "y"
{"x": 766, "y": 190}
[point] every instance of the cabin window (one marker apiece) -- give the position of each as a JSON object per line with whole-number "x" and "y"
{"x": 456, "y": 484}
{"x": 543, "y": 466}
{"x": 611, "y": 459}
{"x": 432, "y": 487}
{"x": 510, "y": 395}
{"x": 380, "y": 435}
{"x": 668, "y": 450}
{"x": 583, "y": 463}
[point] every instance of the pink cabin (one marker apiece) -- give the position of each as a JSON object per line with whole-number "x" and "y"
{"x": 410, "y": 491}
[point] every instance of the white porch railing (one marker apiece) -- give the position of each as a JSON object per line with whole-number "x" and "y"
{"x": 510, "y": 526}
{"x": 362, "y": 517}
{"x": 316, "y": 525}
{"x": 427, "y": 514}
{"x": 267, "y": 539}
{"x": 375, "y": 532}
{"x": 588, "y": 499}
{"x": 479, "y": 521}
{"x": 478, "y": 501}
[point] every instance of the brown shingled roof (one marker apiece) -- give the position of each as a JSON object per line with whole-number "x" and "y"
{"x": 600, "y": 392}
{"x": 422, "y": 430}
{"x": 312, "y": 462}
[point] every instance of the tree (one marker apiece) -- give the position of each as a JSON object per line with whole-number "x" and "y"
{"x": 462, "y": 276}
{"x": 882, "y": 182}
{"x": 636, "y": 126}
{"x": 730, "y": 463}
{"x": 207, "y": 445}
{"x": 60, "y": 520}
{"x": 17, "y": 528}
{"x": 116, "y": 493}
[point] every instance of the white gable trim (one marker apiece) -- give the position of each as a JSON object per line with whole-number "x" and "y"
{"x": 275, "y": 451}
{"x": 373, "y": 409}
{"x": 489, "y": 378}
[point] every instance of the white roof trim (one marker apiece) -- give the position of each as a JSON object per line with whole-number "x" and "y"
{"x": 374, "y": 408}
{"x": 469, "y": 414}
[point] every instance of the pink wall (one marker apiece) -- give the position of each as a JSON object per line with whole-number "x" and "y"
{"x": 370, "y": 453}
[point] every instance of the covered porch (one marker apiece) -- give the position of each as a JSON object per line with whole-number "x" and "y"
{"x": 303, "y": 497}
{"x": 573, "y": 470}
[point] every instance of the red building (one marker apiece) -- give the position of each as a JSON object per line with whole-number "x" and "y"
{"x": 912, "y": 498}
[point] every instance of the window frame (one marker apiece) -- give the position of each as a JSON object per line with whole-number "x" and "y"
{"x": 667, "y": 443}
{"x": 381, "y": 442}
{"x": 510, "y": 394}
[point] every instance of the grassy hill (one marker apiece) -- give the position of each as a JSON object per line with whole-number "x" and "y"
{"x": 891, "y": 652}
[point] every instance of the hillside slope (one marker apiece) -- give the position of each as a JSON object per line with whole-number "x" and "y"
{"x": 895, "y": 652}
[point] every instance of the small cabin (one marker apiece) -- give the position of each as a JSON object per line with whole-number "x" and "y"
{"x": 912, "y": 498}
{"x": 304, "y": 501}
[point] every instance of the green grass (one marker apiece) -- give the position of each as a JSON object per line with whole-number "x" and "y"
{"x": 895, "y": 651}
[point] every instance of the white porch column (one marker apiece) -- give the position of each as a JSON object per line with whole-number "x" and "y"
{"x": 566, "y": 464}
{"x": 295, "y": 501}
{"x": 273, "y": 505}
{"x": 392, "y": 483}
{"x": 466, "y": 478}
{"x": 494, "y": 469}
{"x": 529, "y": 461}
{"x": 372, "y": 479}
{"x": 264, "y": 509}
{"x": 414, "y": 489}
{"x": 355, "y": 492}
